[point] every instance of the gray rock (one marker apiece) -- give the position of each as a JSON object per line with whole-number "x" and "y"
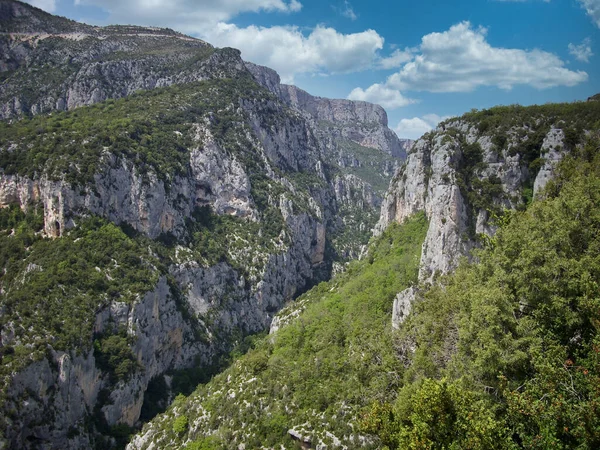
{"x": 402, "y": 306}
{"x": 427, "y": 182}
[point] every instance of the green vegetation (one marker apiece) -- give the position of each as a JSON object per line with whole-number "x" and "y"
{"x": 577, "y": 115}
{"x": 533, "y": 123}
{"x": 356, "y": 230}
{"x": 113, "y": 355}
{"x": 318, "y": 371}
{"x": 504, "y": 354}
{"x": 51, "y": 289}
{"x": 371, "y": 166}
{"x": 514, "y": 130}
{"x": 244, "y": 244}
{"x": 72, "y": 276}
{"x": 152, "y": 129}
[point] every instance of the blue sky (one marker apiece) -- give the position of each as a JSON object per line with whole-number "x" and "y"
{"x": 422, "y": 61}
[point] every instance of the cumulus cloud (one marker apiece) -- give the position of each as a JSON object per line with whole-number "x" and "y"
{"x": 460, "y": 60}
{"x": 417, "y": 126}
{"x": 290, "y": 52}
{"x": 46, "y": 5}
{"x": 185, "y": 15}
{"x": 583, "y": 51}
{"x": 592, "y": 8}
{"x": 381, "y": 95}
{"x": 396, "y": 59}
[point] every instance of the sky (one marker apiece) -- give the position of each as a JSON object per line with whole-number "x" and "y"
{"x": 423, "y": 61}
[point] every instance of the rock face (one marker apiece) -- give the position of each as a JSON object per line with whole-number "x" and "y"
{"x": 55, "y": 394}
{"x": 91, "y": 64}
{"x": 361, "y": 122}
{"x": 287, "y": 159}
{"x": 122, "y": 194}
{"x": 402, "y": 306}
{"x": 460, "y": 177}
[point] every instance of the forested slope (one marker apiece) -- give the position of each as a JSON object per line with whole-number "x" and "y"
{"x": 503, "y": 353}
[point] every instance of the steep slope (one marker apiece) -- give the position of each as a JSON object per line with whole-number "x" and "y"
{"x": 501, "y": 355}
{"x": 357, "y": 143}
{"x": 234, "y": 237}
{"x": 332, "y": 355}
{"x": 504, "y": 353}
{"x": 49, "y": 63}
{"x": 158, "y": 205}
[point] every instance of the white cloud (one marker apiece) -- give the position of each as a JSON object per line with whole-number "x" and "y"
{"x": 396, "y": 59}
{"x": 583, "y": 51}
{"x": 348, "y": 11}
{"x": 417, "y": 126}
{"x": 46, "y": 5}
{"x": 381, "y": 95}
{"x": 592, "y": 8}
{"x": 290, "y": 52}
{"x": 185, "y": 15}
{"x": 287, "y": 49}
{"x": 460, "y": 60}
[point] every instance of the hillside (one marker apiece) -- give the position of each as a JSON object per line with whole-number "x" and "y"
{"x": 333, "y": 355}
{"x": 159, "y": 204}
{"x": 500, "y": 354}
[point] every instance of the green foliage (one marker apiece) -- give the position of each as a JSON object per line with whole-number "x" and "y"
{"x": 113, "y": 355}
{"x": 323, "y": 367}
{"x": 582, "y": 115}
{"x": 121, "y": 433}
{"x": 371, "y": 164}
{"x": 207, "y": 443}
{"x": 221, "y": 238}
{"x": 516, "y": 334}
{"x": 52, "y": 288}
{"x": 152, "y": 129}
{"x": 436, "y": 415}
{"x": 355, "y": 232}
{"x": 479, "y": 193}
{"x": 180, "y": 425}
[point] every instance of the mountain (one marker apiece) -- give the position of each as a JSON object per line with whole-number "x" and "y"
{"x": 165, "y": 203}
{"x": 412, "y": 348}
{"x": 160, "y": 201}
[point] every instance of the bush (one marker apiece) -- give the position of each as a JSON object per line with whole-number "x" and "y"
{"x": 180, "y": 425}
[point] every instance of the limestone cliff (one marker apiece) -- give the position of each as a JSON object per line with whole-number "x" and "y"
{"x": 361, "y": 122}
{"x": 465, "y": 174}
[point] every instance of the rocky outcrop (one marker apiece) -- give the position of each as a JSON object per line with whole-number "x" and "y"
{"x": 459, "y": 200}
{"x": 123, "y": 195}
{"x": 284, "y": 159}
{"x": 352, "y": 191}
{"x": 89, "y": 79}
{"x": 553, "y": 150}
{"x": 402, "y": 306}
{"x": 55, "y": 396}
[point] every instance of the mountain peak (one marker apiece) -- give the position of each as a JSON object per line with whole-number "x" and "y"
{"x": 19, "y": 17}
